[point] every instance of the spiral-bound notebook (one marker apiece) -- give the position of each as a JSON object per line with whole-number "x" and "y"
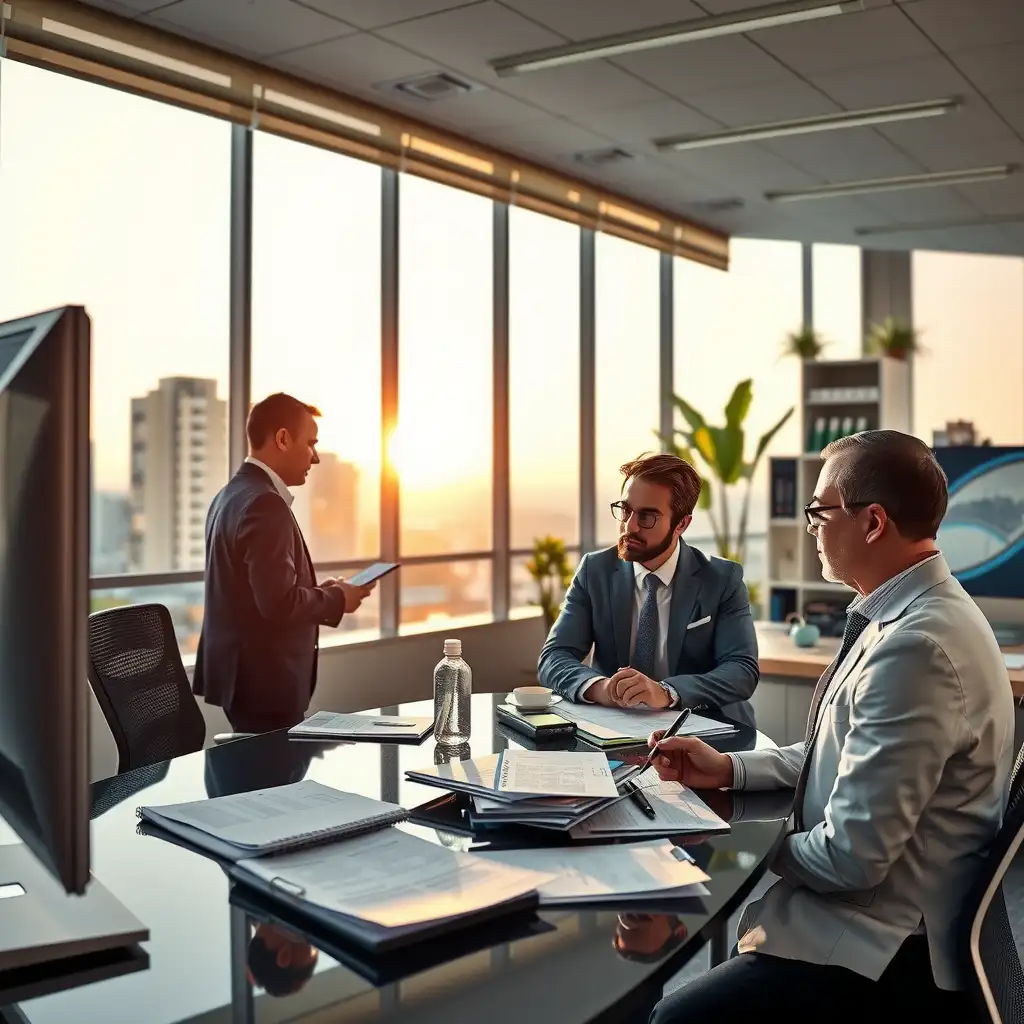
{"x": 277, "y": 820}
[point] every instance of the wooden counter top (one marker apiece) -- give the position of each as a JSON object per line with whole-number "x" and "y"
{"x": 779, "y": 656}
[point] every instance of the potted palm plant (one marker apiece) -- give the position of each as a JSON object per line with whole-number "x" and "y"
{"x": 550, "y": 570}
{"x": 806, "y": 343}
{"x": 893, "y": 339}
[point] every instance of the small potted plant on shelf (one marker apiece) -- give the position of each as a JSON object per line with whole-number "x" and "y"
{"x": 805, "y": 343}
{"x": 893, "y": 339}
{"x": 550, "y": 569}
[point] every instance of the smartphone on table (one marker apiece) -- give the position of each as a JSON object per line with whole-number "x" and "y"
{"x": 535, "y": 726}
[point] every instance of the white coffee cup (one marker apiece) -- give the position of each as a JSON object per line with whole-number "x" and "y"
{"x": 532, "y": 696}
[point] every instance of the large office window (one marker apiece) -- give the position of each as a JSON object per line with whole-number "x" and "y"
{"x": 442, "y": 446}
{"x": 728, "y": 327}
{"x": 121, "y": 204}
{"x": 627, "y": 332}
{"x": 544, "y": 361}
{"x": 316, "y": 329}
{"x": 970, "y": 313}
{"x": 836, "y": 299}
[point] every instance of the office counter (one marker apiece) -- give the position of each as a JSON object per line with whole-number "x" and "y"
{"x": 782, "y": 699}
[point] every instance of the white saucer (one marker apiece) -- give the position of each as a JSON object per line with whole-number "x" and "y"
{"x": 511, "y": 699}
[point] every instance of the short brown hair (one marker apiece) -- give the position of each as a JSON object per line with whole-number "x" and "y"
{"x": 682, "y": 480}
{"x": 275, "y": 412}
{"x": 898, "y": 472}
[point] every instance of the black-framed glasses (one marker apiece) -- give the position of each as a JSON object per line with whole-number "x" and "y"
{"x": 646, "y": 517}
{"x": 812, "y": 513}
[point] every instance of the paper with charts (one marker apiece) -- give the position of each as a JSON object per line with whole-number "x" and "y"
{"x": 555, "y": 773}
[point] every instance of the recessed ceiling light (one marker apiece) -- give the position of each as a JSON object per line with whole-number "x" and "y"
{"x": 752, "y": 19}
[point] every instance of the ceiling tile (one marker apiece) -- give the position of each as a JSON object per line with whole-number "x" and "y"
{"x": 980, "y": 153}
{"x": 973, "y": 122}
{"x": 552, "y": 140}
{"x": 731, "y": 6}
{"x": 757, "y": 172}
{"x": 836, "y": 156}
{"x": 776, "y": 101}
{"x": 954, "y": 25}
{"x": 998, "y": 198}
{"x": 1014, "y": 233}
{"x": 355, "y": 62}
{"x": 252, "y": 27}
{"x": 729, "y": 62}
{"x": 129, "y": 7}
{"x": 642, "y": 122}
{"x": 585, "y": 19}
{"x": 993, "y": 68}
{"x": 467, "y": 38}
{"x": 858, "y": 40}
{"x": 928, "y": 78}
{"x": 1011, "y": 106}
{"x": 472, "y": 111}
{"x": 580, "y": 88}
{"x": 921, "y": 204}
{"x": 378, "y": 13}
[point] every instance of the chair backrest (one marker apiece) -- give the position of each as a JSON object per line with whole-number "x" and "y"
{"x": 988, "y": 952}
{"x": 136, "y": 673}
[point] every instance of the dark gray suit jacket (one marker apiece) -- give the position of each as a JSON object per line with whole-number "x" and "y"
{"x": 710, "y": 664}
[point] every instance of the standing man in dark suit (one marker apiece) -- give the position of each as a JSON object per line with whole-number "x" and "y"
{"x": 668, "y": 625}
{"x": 257, "y": 654}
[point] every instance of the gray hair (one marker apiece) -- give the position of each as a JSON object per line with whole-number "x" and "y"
{"x": 894, "y": 470}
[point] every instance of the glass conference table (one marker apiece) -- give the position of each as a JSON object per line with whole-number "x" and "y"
{"x": 563, "y": 966}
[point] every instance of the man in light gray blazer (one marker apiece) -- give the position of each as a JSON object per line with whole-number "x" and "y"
{"x": 667, "y": 624}
{"x": 901, "y": 783}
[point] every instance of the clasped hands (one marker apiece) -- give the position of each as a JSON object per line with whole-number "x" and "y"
{"x": 627, "y": 689}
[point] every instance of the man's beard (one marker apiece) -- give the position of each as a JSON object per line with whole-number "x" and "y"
{"x": 647, "y": 553}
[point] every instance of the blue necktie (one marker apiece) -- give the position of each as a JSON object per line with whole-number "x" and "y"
{"x": 647, "y": 629}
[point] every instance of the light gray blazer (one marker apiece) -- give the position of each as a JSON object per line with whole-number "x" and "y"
{"x": 910, "y": 763}
{"x": 712, "y": 647}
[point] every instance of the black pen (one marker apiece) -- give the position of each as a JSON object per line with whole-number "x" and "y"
{"x": 670, "y": 731}
{"x": 637, "y": 796}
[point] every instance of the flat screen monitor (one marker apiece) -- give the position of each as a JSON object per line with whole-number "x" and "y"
{"x": 982, "y": 535}
{"x": 44, "y": 588}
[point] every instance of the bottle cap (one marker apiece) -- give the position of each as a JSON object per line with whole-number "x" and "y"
{"x": 453, "y": 648}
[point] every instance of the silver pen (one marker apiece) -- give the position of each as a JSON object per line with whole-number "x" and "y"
{"x": 670, "y": 731}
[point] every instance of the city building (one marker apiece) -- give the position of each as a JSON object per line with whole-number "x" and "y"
{"x": 179, "y": 460}
{"x": 327, "y": 509}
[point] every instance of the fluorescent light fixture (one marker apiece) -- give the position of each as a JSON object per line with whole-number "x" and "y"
{"x": 942, "y": 225}
{"x": 751, "y": 19}
{"x": 809, "y": 125}
{"x": 929, "y": 180}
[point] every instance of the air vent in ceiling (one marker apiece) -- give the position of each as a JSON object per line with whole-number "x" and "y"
{"x": 436, "y": 85}
{"x": 602, "y": 157}
{"x": 718, "y": 205}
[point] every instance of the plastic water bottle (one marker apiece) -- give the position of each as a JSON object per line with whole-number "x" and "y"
{"x": 453, "y": 686}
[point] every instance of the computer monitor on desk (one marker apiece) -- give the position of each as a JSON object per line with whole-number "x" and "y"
{"x": 49, "y": 907}
{"x": 982, "y": 535}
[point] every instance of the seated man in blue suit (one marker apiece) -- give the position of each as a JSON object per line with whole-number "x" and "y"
{"x": 668, "y": 625}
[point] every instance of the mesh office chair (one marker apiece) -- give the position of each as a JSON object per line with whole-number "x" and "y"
{"x": 108, "y": 793}
{"x": 987, "y": 949}
{"x": 135, "y": 671}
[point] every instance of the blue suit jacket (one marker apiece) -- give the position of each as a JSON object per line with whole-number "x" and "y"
{"x": 710, "y": 665}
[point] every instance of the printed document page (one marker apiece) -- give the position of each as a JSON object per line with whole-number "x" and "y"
{"x": 393, "y": 879}
{"x": 676, "y": 808}
{"x": 265, "y": 817}
{"x": 612, "y": 723}
{"x": 606, "y": 872}
{"x": 555, "y": 773}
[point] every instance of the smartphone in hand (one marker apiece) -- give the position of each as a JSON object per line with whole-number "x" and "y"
{"x": 372, "y": 573}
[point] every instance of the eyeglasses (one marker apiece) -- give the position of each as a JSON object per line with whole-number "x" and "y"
{"x": 813, "y": 516}
{"x": 646, "y": 517}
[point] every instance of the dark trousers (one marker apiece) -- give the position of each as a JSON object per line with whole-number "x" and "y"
{"x": 244, "y": 720}
{"x": 755, "y": 986}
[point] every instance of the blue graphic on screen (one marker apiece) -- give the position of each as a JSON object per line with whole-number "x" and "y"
{"x": 982, "y": 536}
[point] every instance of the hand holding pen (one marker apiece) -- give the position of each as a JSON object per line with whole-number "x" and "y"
{"x": 688, "y": 760}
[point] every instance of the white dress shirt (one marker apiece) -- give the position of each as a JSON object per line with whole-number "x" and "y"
{"x": 666, "y": 573}
{"x": 279, "y": 485}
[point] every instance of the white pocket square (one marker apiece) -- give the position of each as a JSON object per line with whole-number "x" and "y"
{"x": 699, "y": 622}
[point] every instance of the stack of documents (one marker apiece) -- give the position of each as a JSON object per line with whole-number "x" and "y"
{"x": 268, "y": 821}
{"x": 387, "y": 889}
{"x": 550, "y": 789}
{"x": 631, "y": 873}
{"x": 618, "y": 727}
{"x": 327, "y": 725}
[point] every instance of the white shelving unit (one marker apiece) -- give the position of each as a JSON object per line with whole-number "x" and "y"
{"x": 875, "y": 391}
